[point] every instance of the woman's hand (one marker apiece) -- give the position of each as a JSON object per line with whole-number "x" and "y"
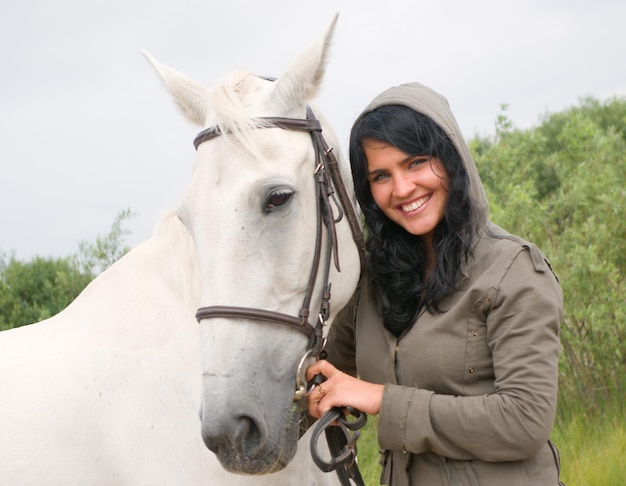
{"x": 341, "y": 390}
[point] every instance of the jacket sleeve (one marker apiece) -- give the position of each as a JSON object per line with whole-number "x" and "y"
{"x": 514, "y": 421}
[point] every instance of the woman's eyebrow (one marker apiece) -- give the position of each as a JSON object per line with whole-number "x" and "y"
{"x": 376, "y": 171}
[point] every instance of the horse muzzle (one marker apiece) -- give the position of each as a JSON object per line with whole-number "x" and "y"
{"x": 247, "y": 441}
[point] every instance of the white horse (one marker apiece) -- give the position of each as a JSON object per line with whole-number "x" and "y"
{"x": 108, "y": 391}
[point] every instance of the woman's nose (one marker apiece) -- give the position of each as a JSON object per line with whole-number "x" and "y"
{"x": 402, "y": 186}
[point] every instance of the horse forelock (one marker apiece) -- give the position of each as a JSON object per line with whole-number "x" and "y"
{"x": 237, "y": 105}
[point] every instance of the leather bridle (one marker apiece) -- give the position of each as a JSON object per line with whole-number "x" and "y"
{"x": 329, "y": 187}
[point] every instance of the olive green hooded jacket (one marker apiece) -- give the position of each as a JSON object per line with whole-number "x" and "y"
{"x": 470, "y": 393}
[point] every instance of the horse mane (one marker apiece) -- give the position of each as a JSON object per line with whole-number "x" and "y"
{"x": 181, "y": 248}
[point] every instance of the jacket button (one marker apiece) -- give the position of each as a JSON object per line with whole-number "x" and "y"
{"x": 471, "y": 370}
{"x": 474, "y": 334}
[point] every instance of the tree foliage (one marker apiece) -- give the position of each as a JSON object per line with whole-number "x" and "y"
{"x": 35, "y": 290}
{"x": 94, "y": 258}
{"x": 561, "y": 185}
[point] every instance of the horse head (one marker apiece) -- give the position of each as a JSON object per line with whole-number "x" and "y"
{"x": 253, "y": 208}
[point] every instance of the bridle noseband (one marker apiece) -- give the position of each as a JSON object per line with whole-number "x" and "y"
{"x": 329, "y": 187}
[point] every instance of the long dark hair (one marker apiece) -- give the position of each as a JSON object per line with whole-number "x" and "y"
{"x": 398, "y": 259}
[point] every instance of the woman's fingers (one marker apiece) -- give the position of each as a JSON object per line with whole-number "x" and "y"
{"x": 320, "y": 390}
{"x": 341, "y": 390}
{"x": 322, "y": 367}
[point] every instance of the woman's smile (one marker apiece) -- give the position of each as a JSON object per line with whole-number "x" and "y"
{"x": 415, "y": 205}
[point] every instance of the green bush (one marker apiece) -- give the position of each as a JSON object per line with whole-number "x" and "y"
{"x": 35, "y": 290}
{"x": 561, "y": 185}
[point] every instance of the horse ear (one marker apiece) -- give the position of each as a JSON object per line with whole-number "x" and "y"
{"x": 190, "y": 96}
{"x": 302, "y": 79}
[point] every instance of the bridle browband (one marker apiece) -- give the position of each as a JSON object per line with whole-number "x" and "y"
{"x": 301, "y": 124}
{"x": 329, "y": 187}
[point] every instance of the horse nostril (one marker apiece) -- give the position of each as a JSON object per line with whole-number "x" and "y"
{"x": 249, "y": 435}
{"x": 242, "y": 435}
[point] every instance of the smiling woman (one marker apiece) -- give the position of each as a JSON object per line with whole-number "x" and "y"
{"x": 454, "y": 330}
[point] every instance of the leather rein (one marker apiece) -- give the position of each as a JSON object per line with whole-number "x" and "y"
{"x": 330, "y": 191}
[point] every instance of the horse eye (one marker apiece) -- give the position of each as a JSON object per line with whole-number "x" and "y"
{"x": 278, "y": 199}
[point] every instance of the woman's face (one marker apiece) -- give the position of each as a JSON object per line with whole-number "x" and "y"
{"x": 410, "y": 191}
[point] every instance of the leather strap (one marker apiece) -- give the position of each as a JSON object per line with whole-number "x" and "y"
{"x": 342, "y": 444}
{"x": 257, "y": 314}
{"x": 306, "y": 125}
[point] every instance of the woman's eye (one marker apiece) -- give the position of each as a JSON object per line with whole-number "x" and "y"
{"x": 278, "y": 199}
{"x": 419, "y": 161}
{"x": 379, "y": 177}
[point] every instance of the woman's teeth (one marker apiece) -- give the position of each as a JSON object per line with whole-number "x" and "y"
{"x": 415, "y": 204}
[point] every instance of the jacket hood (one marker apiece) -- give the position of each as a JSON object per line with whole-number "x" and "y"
{"x": 430, "y": 103}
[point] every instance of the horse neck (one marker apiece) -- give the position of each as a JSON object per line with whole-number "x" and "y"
{"x": 155, "y": 284}
{"x": 176, "y": 250}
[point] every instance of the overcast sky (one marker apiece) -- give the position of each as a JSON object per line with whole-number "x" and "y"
{"x": 86, "y": 129}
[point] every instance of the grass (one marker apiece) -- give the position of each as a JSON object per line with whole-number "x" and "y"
{"x": 368, "y": 453}
{"x": 593, "y": 450}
